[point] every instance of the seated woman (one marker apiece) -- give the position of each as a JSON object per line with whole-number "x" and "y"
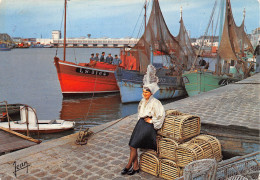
{"x": 151, "y": 116}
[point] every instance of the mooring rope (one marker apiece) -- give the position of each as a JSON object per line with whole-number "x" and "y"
{"x": 82, "y": 137}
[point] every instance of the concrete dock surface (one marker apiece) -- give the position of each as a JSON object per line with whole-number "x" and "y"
{"x": 107, "y": 151}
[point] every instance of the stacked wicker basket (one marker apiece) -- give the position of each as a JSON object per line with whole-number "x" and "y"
{"x": 178, "y": 144}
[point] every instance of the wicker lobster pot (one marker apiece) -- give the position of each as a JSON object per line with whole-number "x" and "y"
{"x": 149, "y": 163}
{"x": 213, "y": 149}
{"x": 173, "y": 112}
{"x": 180, "y": 127}
{"x": 187, "y": 153}
{"x": 166, "y": 148}
{"x": 169, "y": 169}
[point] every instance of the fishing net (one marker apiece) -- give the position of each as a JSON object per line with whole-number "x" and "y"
{"x": 234, "y": 39}
{"x": 187, "y": 54}
{"x": 158, "y": 38}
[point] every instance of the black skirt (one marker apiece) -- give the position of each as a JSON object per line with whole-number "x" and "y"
{"x": 143, "y": 136}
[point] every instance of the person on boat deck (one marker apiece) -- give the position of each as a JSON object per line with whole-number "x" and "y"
{"x": 206, "y": 65}
{"x": 97, "y": 58}
{"x": 109, "y": 59}
{"x": 92, "y": 60}
{"x": 102, "y": 57}
{"x": 257, "y": 56}
{"x": 151, "y": 117}
{"x": 116, "y": 60}
{"x": 202, "y": 62}
{"x": 92, "y": 57}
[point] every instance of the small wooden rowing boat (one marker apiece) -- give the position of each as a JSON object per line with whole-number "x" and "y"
{"x": 29, "y": 122}
{"x": 12, "y": 109}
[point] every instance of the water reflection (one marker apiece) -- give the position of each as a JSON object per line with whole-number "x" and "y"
{"x": 92, "y": 111}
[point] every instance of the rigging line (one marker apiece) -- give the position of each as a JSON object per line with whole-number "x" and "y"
{"x": 147, "y": 7}
{"x": 91, "y": 101}
{"x": 60, "y": 30}
{"x": 245, "y": 29}
{"x": 74, "y": 51}
{"x": 217, "y": 22}
{"x": 140, "y": 30}
{"x": 187, "y": 40}
{"x": 142, "y": 24}
{"x": 206, "y": 32}
{"x": 137, "y": 22}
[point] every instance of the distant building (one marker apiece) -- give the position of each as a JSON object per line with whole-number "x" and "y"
{"x": 96, "y": 42}
{"x": 17, "y": 40}
{"x": 44, "y": 41}
{"x": 5, "y": 38}
{"x": 208, "y": 41}
{"x": 255, "y": 36}
{"x": 57, "y": 41}
{"x": 56, "y": 34}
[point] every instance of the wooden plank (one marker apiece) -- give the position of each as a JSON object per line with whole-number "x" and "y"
{"x": 11, "y": 142}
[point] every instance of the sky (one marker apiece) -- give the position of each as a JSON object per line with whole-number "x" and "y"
{"x": 112, "y": 18}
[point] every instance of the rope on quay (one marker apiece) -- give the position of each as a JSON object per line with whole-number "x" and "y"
{"x": 86, "y": 134}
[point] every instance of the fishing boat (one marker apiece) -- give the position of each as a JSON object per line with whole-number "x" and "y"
{"x": 84, "y": 78}
{"x": 30, "y": 123}
{"x": 6, "y": 42}
{"x": 158, "y": 47}
{"x": 231, "y": 63}
{"x": 4, "y": 47}
{"x": 11, "y": 109}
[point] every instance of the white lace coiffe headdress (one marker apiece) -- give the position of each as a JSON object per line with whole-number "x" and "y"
{"x": 150, "y": 79}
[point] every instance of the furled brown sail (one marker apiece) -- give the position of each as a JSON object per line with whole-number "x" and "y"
{"x": 157, "y": 36}
{"x": 187, "y": 54}
{"x": 234, "y": 39}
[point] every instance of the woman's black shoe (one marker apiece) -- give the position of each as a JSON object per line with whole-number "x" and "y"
{"x": 132, "y": 171}
{"x": 125, "y": 171}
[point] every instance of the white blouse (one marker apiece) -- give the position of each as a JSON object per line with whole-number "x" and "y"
{"x": 153, "y": 108}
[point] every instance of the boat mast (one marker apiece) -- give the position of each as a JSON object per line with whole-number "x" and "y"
{"x": 222, "y": 5}
{"x": 181, "y": 13}
{"x": 151, "y": 55}
{"x": 145, "y": 14}
{"x": 64, "y": 39}
{"x": 244, "y": 15}
{"x": 205, "y": 34}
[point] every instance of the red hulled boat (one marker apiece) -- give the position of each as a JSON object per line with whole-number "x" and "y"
{"x": 84, "y": 78}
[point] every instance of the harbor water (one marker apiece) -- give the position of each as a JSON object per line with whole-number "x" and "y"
{"x": 28, "y": 76}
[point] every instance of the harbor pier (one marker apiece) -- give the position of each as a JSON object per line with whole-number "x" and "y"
{"x": 230, "y": 112}
{"x": 96, "y": 43}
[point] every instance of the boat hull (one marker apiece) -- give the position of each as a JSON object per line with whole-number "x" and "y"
{"x": 44, "y": 126}
{"x": 131, "y": 86}
{"x": 5, "y": 49}
{"x": 11, "y": 108}
{"x": 83, "y": 79}
{"x": 197, "y": 82}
